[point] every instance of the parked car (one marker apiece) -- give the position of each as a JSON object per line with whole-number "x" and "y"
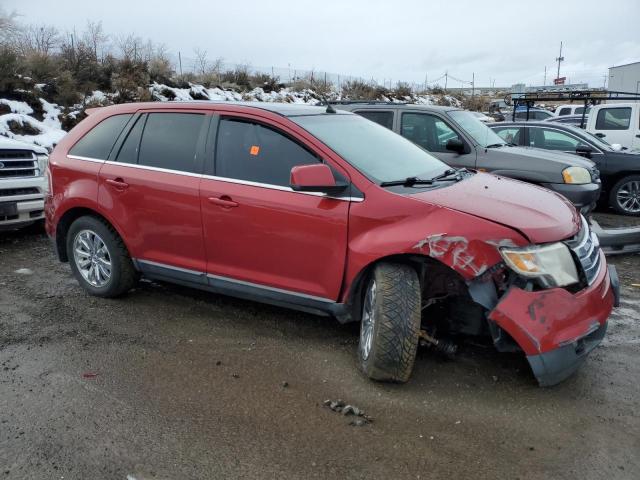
{"x": 331, "y": 214}
{"x": 568, "y": 119}
{"x": 619, "y": 170}
{"x": 456, "y": 137}
{"x": 617, "y": 123}
{"x": 22, "y": 183}
{"x": 533, "y": 115}
{"x": 563, "y": 110}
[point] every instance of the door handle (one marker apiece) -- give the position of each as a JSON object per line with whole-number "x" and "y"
{"x": 118, "y": 183}
{"x": 223, "y": 201}
{"x": 600, "y": 135}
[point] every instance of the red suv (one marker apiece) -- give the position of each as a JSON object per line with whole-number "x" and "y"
{"x": 328, "y": 213}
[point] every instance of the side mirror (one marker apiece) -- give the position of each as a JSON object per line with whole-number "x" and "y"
{"x": 317, "y": 177}
{"x": 584, "y": 150}
{"x": 455, "y": 145}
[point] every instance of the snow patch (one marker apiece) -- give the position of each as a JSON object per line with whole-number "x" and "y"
{"x": 17, "y": 107}
{"x": 48, "y": 135}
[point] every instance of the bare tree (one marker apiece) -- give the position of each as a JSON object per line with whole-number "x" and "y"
{"x": 130, "y": 46}
{"x": 95, "y": 38}
{"x": 39, "y": 39}
{"x": 201, "y": 61}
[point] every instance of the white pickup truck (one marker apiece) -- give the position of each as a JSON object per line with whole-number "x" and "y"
{"x": 22, "y": 183}
{"x": 616, "y": 123}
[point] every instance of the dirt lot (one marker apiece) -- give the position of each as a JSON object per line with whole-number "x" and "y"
{"x": 172, "y": 383}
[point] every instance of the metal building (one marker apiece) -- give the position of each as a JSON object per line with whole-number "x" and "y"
{"x": 625, "y": 78}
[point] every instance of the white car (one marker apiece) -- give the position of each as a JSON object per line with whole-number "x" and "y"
{"x": 22, "y": 183}
{"x": 616, "y": 123}
{"x": 562, "y": 110}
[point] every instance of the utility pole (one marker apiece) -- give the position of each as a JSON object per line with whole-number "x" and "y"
{"x": 473, "y": 84}
{"x": 425, "y": 81}
{"x": 180, "y": 63}
{"x": 446, "y": 77}
{"x": 559, "y": 60}
{"x": 544, "y": 84}
{"x": 605, "y": 81}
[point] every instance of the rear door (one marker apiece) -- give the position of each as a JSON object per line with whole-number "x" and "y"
{"x": 432, "y": 133}
{"x": 260, "y": 234}
{"x": 150, "y": 187}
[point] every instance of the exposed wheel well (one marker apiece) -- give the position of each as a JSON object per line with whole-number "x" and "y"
{"x": 63, "y": 228}
{"x": 421, "y": 263}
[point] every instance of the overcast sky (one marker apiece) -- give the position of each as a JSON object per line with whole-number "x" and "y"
{"x": 500, "y": 41}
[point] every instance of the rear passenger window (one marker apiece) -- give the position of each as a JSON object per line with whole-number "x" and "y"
{"x": 170, "y": 141}
{"x": 252, "y": 152}
{"x": 98, "y": 142}
{"x": 613, "y": 119}
{"x": 382, "y": 118}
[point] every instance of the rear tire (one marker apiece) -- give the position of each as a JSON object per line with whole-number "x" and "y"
{"x": 390, "y": 323}
{"x": 625, "y": 196}
{"x": 99, "y": 259}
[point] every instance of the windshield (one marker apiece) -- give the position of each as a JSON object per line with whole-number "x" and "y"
{"x": 482, "y": 134}
{"x": 376, "y": 151}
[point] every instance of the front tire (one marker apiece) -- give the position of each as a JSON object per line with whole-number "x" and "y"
{"x": 625, "y": 195}
{"x": 390, "y": 323}
{"x": 99, "y": 259}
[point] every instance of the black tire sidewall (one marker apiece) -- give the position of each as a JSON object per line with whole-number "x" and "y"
{"x": 108, "y": 237}
{"x": 613, "y": 196}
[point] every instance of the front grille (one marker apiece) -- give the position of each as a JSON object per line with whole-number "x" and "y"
{"x": 586, "y": 249}
{"x": 18, "y": 163}
{"x": 12, "y": 192}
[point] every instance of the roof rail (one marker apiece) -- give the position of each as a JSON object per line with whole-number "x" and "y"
{"x": 367, "y": 102}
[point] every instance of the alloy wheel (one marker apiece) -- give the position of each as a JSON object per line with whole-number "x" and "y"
{"x": 92, "y": 258}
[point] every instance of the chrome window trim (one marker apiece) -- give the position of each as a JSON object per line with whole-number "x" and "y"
{"x": 154, "y": 169}
{"x": 220, "y": 179}
{"x": 278, "y": 187}
{"x": 88, "y": 159}
{"x": 234, "y": 280}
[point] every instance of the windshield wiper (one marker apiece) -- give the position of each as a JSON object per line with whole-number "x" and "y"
{"x": 446, "y": 176}
{"x": 407, "y": 182}
{"x": 496, "y": 145}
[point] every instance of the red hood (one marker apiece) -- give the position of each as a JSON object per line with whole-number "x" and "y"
{"x": 540, "y": 214}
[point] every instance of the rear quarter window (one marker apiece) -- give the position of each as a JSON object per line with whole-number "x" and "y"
{"x": 381, "y": 118}
{"x": 98, "y": 142}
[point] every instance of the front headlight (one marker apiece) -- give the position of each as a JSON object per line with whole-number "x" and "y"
{"x": 43, "y": 161}
{"x": 576, "y": 175}
{"x": 551, "y": 264}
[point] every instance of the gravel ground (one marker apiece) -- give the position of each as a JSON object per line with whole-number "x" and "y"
{"x": 173, "y": 383}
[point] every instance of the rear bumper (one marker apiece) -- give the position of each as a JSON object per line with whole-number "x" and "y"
{"x": 584, "y": 196}
{"x": 555, "y": 328}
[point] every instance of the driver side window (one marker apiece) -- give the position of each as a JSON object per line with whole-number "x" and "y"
{"x": 428, "y": 131}
{"x": 552, "y": 139}
{"x": 253, "y": 152}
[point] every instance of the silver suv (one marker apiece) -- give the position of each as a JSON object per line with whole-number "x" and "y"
{"x": 459, "y": 139}
{"x": 22, "y": 183}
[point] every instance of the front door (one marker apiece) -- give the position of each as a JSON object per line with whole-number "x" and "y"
{"x": 259, "y": 232}
{"x": 151, "y": 190}
{"x": 432, "y": 133}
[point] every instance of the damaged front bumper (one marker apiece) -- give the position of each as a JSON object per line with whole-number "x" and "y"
{"x": 557, "y": 329}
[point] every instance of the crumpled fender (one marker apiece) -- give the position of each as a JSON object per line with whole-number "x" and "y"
{"x": 464, "y": 242}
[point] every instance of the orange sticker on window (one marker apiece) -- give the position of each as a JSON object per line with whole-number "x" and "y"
{"x": 254, "y": 150}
